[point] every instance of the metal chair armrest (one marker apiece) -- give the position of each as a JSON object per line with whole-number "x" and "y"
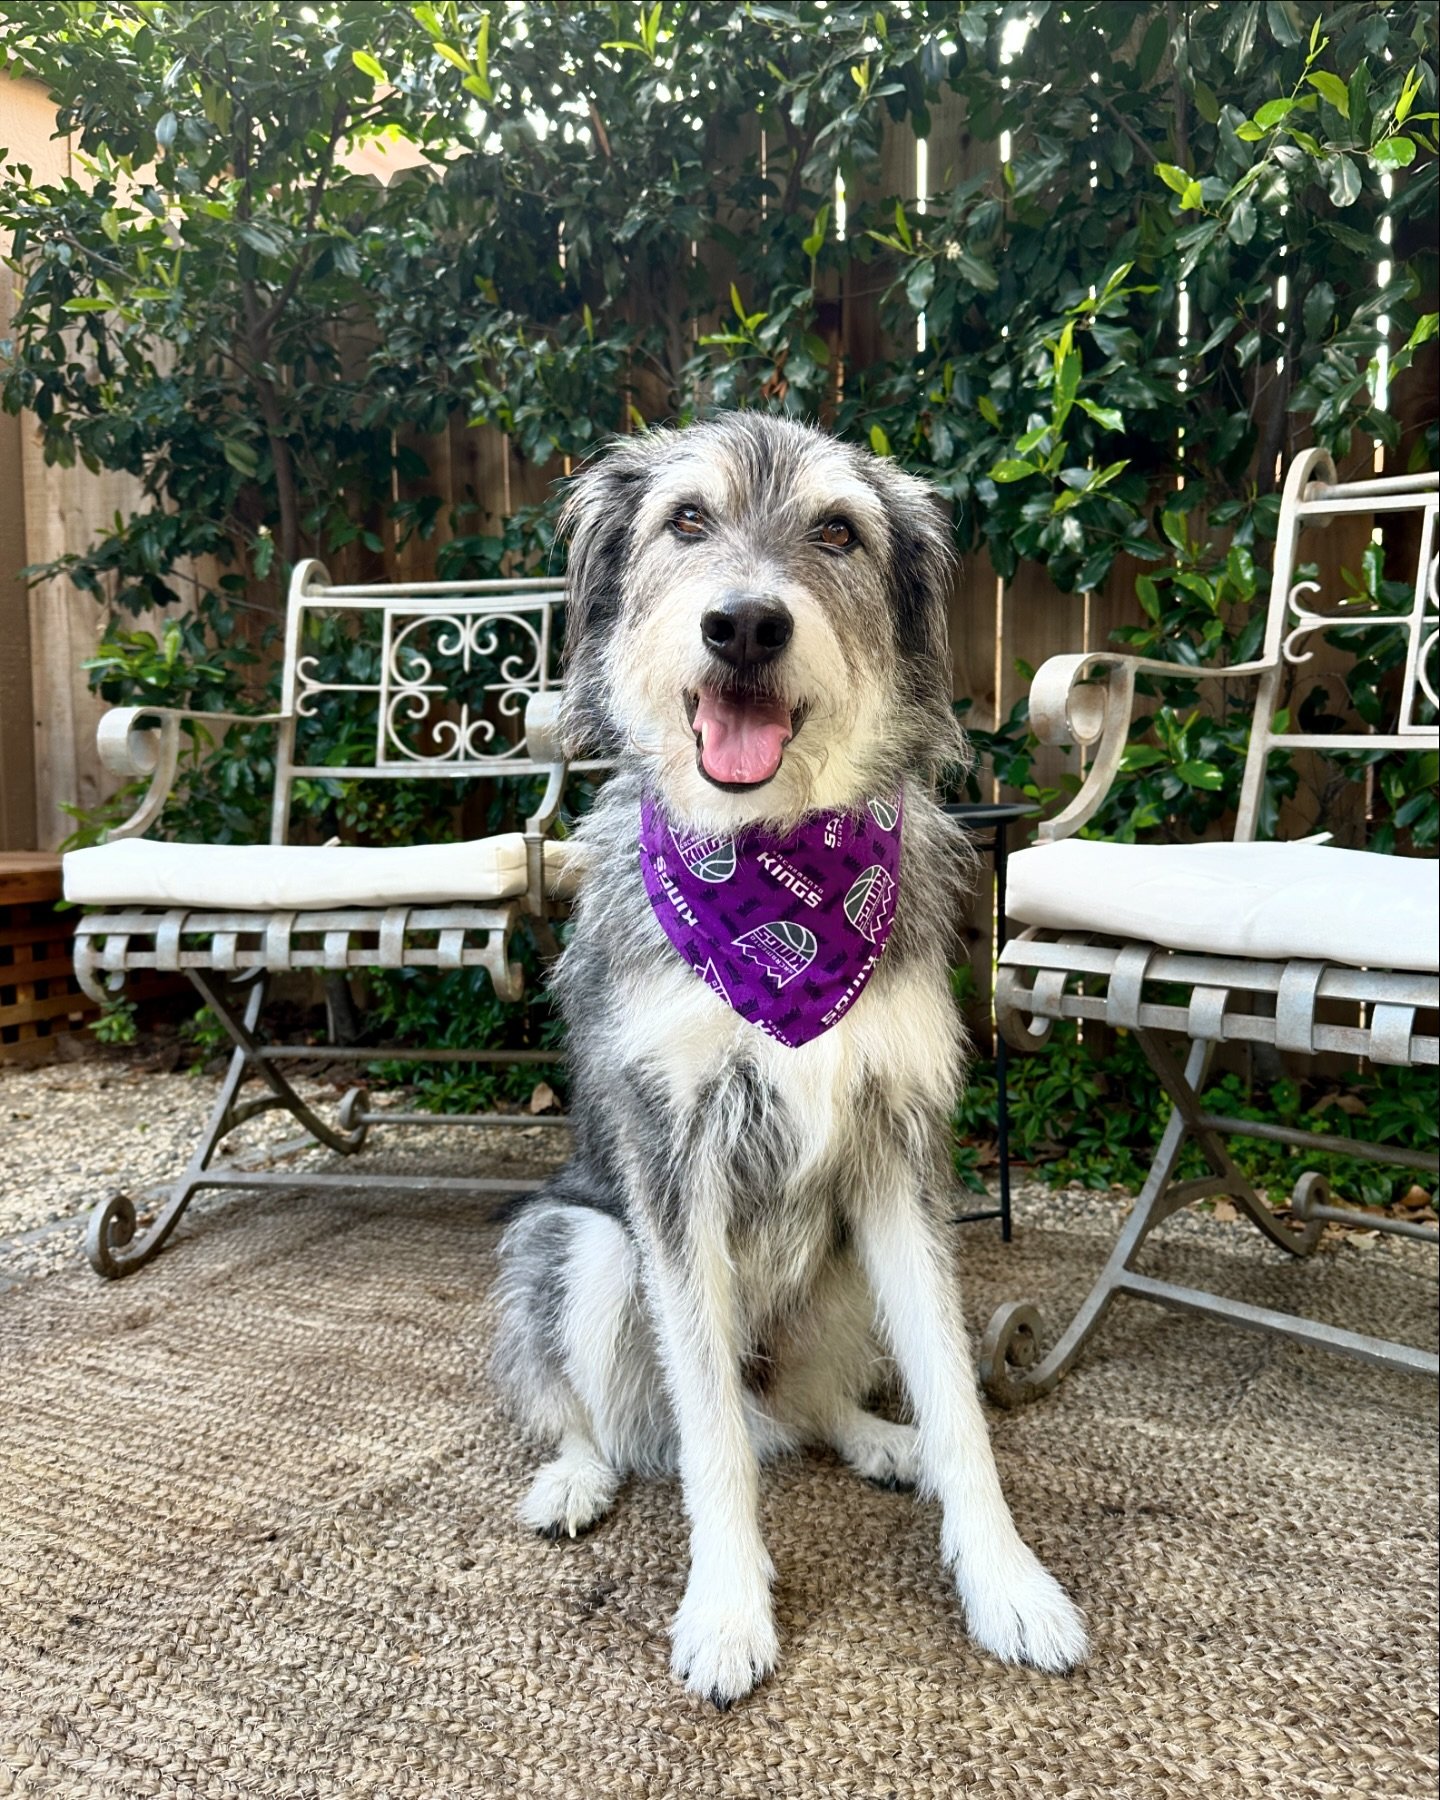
{"x": 133, "y": 750}
{"x": 543, "y": 743}
{"x": 1088, "y": 699}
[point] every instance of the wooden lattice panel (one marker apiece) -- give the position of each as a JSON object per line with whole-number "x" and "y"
{"x": 39, "y": 995}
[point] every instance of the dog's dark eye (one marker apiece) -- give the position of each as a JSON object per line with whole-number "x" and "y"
{"x": 689, "y": 521}
{"x": 837, "y": 534}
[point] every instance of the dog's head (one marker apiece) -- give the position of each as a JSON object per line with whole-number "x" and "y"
{"x": 758, "y": 613}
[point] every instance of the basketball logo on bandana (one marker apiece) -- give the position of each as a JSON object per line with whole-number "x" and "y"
{"x": 870, "y": 901}
{"x": 884, "y": 814}
{"x": 782, "y": 949}
{"x": 709, "y": 859}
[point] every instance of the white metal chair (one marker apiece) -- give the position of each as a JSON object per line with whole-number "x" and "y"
{"x": 1301, "y": 946}
{"x": 446, "y": 671}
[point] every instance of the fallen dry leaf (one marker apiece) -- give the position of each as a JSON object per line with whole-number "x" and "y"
{"x": 1225, "y": 1212}
{"x": 1347, "y": 1103}
{"x": 543, "y": 1098}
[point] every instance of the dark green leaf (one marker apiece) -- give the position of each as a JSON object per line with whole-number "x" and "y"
{"x": 1342, "y": 180}
{"x": 1152, "y": 48}
{"x": 1319, "y": 309}
{"x": 1240, "y": 227}
{"x": 920, "y": 283}
{"x": 1285, "y": 22}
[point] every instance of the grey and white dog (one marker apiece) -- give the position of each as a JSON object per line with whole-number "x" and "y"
{"x": 756, "y": 632}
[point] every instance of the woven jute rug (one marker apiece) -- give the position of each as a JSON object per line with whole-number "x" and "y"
{"x": 257, "y": 1537}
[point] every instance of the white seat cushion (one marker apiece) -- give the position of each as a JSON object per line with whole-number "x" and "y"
{"x": 294, "y": 877}
{"x": 1265, "y": 900}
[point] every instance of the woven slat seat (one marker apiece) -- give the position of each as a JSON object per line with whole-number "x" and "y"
{"x": 110, "y": 944}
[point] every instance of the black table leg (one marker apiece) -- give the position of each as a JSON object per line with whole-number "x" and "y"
{"x": 985, "y": 818}
{"x": 1002, "y": 1110}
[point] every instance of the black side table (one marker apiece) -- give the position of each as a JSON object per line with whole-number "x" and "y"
{"x": 995, "y": 819}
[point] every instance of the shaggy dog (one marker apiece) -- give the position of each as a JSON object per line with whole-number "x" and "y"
{"x": 756, "y": 633}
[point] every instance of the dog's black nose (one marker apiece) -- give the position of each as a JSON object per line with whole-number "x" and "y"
{"x": 746, "y": 630}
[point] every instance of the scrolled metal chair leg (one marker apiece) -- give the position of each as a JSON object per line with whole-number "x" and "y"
{"x": 1295, "y": 1243}
{"x": 1311, "y": 1194}
{"x": 109, "y": 1233}
{"x": 354, "y": 1103}
{"x": 1011, "y": 1369}
{"x": 1010, "y": 1344}
{"x": 110, "y": 1241}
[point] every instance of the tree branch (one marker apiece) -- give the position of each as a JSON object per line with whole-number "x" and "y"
{"x": 272, "y": 313}
{"x": 1129, "y": 130}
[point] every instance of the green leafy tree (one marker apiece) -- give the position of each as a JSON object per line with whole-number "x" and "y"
{"x": 1171, "y": 275}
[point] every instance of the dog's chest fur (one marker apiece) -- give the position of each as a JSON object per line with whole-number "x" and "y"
{"x": 721, "y": 1116}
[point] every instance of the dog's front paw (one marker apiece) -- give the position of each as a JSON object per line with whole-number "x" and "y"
{"x": 1019, "y": 1612}
{"x": 722, "y": 1648}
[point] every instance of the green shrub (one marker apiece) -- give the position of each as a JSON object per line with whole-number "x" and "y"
{"x": 1096, "y": 1119}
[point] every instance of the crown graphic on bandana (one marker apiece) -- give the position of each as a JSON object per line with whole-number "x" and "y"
{"x": 787, "y": 930}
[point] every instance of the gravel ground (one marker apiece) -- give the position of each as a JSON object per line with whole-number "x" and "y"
{"x": 73, "y": 1132}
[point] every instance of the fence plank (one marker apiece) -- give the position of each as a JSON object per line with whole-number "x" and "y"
{"x": 1036, "y": 621}
{"x": 414, "y": 556}
{"x": 972, "y": 666}
{"x": 866, "y": 343}
{"x": 740, "y": 150}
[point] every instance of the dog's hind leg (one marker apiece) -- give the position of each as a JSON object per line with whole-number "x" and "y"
{"x": 881, "y": 1452}
{"x": 570, "y": 1355}
{"x": 831, "y": 1365}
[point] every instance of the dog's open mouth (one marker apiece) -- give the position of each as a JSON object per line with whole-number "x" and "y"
{"x": 740, "y": 738}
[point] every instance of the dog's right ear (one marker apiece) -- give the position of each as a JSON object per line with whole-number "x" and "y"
{"x": 596, "y": 519}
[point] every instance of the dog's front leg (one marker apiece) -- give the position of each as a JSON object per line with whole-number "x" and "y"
{"x": 1014, "y": 1607}
{"x": 723, "y": 1638}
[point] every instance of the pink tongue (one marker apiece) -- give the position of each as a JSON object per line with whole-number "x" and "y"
{"x": 741, "y": 740}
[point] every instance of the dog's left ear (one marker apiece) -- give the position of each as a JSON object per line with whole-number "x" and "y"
{"x": 922, "y": 564}
{"x": 598, "y": 512}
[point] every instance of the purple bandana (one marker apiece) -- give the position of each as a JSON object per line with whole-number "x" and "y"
{"x": 787, "y": 930}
